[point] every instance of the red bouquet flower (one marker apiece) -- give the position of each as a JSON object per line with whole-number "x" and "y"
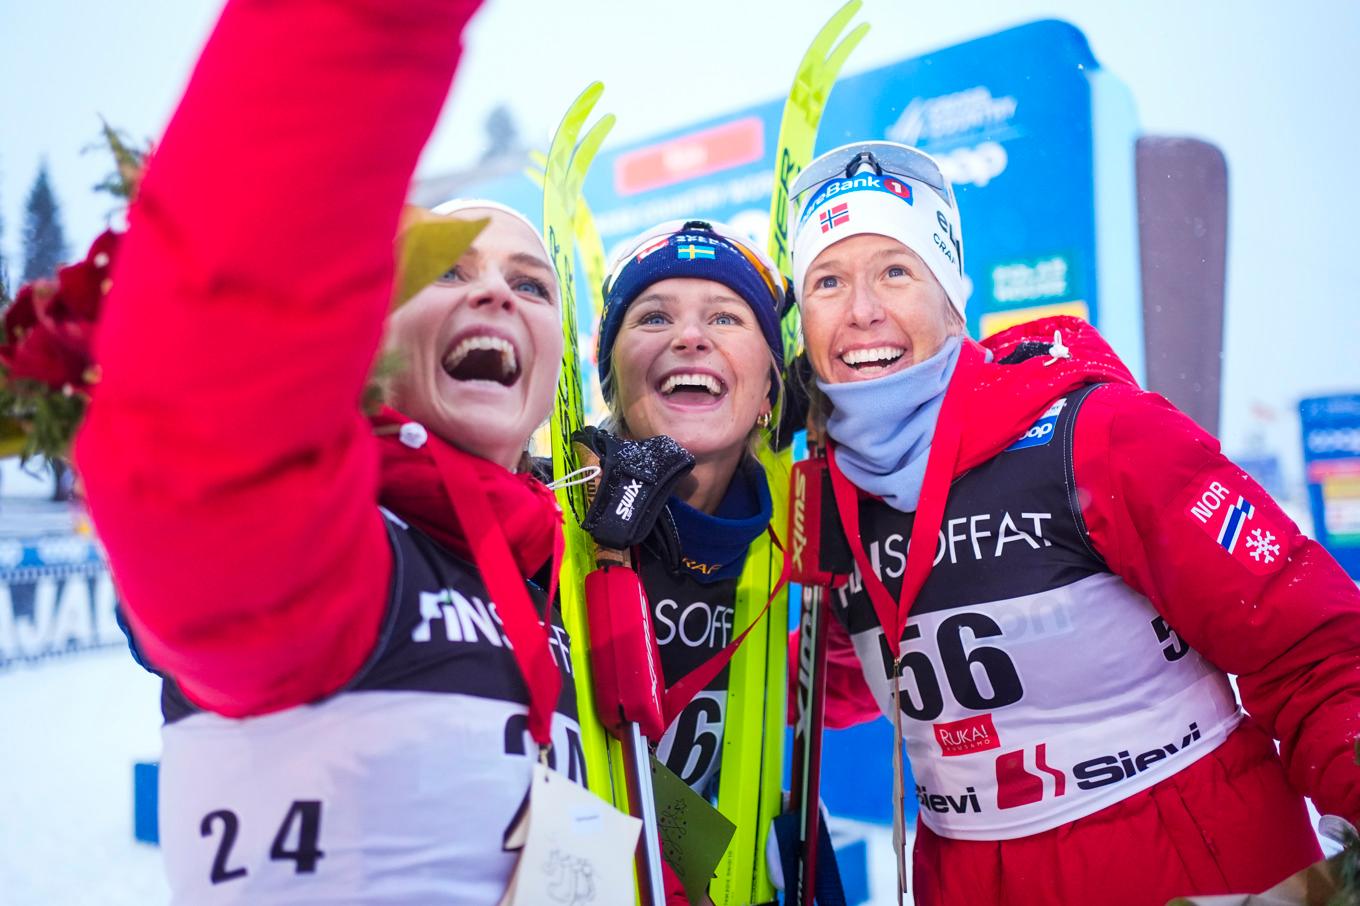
{"x": 49, "y": 329}
{"x": 47, "y": 334}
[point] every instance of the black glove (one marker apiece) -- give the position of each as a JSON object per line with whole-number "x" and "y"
{"x": 636, "y": 478}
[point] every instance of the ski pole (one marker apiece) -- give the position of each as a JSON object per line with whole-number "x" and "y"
{"x": 628, "y": 681}
{"x": 817, "y": 566}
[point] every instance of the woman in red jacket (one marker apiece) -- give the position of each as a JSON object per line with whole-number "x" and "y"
{"x": 1068, "y": 567}
{"x": 359, "y": 670}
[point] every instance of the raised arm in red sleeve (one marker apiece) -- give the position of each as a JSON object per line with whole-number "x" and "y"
{"x": 1233, "y": 576}
{"x": 229, "y": 472}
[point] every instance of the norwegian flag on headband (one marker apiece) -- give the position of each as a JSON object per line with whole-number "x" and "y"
{"x": 835, "y": 216}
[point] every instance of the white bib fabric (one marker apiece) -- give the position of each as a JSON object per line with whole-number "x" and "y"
{"x": 396, "y": 790}
{"x": 1102, "y": 716}
{"x": 368, "y": 798}
{"x": 1037, "y": 687}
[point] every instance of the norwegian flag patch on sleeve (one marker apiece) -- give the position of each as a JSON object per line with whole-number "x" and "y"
{"x": 1225, "y": 507}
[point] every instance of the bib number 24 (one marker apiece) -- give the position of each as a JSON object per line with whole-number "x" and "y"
{"x": 296, "y": 841}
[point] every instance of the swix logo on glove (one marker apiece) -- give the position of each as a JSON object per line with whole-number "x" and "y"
{"x": 625, "y": 507}
{"x": 1231, "y": 518}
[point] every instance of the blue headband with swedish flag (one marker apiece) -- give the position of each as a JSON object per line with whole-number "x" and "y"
{"x": 699, "y": 250}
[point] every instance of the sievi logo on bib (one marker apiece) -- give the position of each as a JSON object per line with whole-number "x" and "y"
{"x": 964, "y": 737}
{"x": 1235, "y": 524}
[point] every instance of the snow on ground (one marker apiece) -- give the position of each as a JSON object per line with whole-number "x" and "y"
{"x": 72, "y": 728}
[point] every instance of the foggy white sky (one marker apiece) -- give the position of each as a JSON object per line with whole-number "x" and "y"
{"x": 1274, "y": 88}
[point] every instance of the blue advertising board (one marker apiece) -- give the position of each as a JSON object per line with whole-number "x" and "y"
{"x": 1331, "y": 462}
{"x": 56, "y": 598}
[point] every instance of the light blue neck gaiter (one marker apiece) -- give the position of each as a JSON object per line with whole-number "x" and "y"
{"x": 883, "y": 427}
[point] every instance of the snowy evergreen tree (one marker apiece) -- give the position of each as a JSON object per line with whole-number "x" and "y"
{"x": 43, "y": 239}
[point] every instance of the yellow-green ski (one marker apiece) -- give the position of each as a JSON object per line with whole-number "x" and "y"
{"x": 564, "y": 174}
{"x": 588, "y": 243}
{"x": 798, "y": 137}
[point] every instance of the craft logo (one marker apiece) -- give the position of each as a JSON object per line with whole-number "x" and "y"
{"x": 1233, "y": 522}
{"x": 1017, "y": 784}
{"x": 654, "y": 247}
{"x": 835, "y": 217}
{"x": 696, "y": 566}
{"x": 625, "y": 507}
{"x": 964, "y": 737}
{"x": 953, "y": 248}
{"x": 692, "y": 251}
{"x": 1041, "y": 432}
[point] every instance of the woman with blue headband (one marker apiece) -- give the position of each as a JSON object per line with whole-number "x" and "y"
{"x": 690, "y": 348}
{"x": 1055, "y": 572}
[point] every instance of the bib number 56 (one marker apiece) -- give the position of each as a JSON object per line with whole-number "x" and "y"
{"x": 964, "y": 668}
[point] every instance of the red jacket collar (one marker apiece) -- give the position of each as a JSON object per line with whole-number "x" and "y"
{"x": 997, "y": 401}
{"x": 413, "y": 488}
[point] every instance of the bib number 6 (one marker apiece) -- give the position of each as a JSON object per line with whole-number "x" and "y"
{"x": 965, "y": 669}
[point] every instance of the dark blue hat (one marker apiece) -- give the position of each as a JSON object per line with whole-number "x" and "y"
{"x": 696, "y": 248}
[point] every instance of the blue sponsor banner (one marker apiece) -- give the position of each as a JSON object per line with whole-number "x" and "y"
{"x": 1331, "y": 462}
{"x": 56, "y": 598}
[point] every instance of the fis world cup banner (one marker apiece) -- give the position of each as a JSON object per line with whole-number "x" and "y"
{"x": 56, "y": 598}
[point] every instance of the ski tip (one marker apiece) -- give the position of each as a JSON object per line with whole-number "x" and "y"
{"x": 587, "y": 98}
{"x": 846, "y": 47}
{"x": 836, "y": 24}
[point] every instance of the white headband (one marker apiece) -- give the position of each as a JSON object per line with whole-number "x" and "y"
{"x": 897, "y": 207}
{"x": 458, "y": 205}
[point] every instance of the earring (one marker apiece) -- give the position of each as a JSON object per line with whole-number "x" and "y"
{"x": 763, "y": 420}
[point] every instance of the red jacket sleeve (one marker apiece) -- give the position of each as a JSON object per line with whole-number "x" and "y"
{"x": 227, "y": 467}
{"x": 1233, "y": 575}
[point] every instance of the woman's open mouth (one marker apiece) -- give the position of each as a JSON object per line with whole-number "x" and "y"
{"x": 692, "y": 387}
{"x": 482, "y": 356}
{"x": 872, "y": 359}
